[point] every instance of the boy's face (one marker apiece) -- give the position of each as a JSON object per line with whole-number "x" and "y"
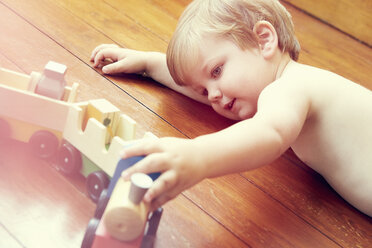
{"x": 230, "y": 77}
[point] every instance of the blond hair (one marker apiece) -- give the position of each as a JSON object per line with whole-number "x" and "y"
{"x": 233, "y": 19}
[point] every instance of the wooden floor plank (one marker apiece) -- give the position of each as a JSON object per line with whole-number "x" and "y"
{"x": 5, "y": 63}
{"x": 327, "y": 48}
{"x": 190, "y": 230}
{"x": 257, "y": 220}
{"x": 151, "y": 17}
{"x": 359, "y": 13}
{"x": 171, "y": 7}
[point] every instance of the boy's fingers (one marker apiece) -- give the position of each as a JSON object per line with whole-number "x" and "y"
{"x": 150, "y": 164}
{"x": 100, "y": 47}
{"x": 113, "y": 68}
{"x": 161, "y": 188}
{"x": 141, "y": 148}
{"x": 98, "y": 58}
{"x": 118, "y": 67}
{"x": 157, "y": 203}
{"x": 94, "y": 52}
{"x": 107, "y": 53}
{"x": 112, "y": 53}
{"x": 161, "y": 200}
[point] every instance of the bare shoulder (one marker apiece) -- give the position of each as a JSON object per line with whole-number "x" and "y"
{"x": 284, "y": 105}
{"x": 294, "y": 83}
{"x": 289, "y": 92}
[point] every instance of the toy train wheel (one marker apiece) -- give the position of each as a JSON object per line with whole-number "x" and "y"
{"x": 154, "y": 222}
{"x": 96, "y": 182}
{"x": 5, "y": 130}
{"x": 69, "y": 160}
{"x": 44, "y": 144}
{"x": 151, "y": 229}
{"x": 102, "y": 204}
{"x": 90, "y": 233}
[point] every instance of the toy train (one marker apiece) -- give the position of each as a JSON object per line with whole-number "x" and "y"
{"x": 121, "y": 216}
{"x": 84, "y": 137}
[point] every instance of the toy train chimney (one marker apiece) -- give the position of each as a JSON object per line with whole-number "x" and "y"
{"x": 140, "y": 183}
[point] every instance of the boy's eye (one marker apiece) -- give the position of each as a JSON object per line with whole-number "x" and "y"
{"x": 216, "y": 72}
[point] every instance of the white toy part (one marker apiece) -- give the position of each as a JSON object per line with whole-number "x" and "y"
{"x": 27, "y": 112}
{"x": 92, "y": 141}
{"x": 126, "y": 128}
{"x": 32, "y": 108}
{"x": 140, "y": 183}
{"x": 14, "y": 79}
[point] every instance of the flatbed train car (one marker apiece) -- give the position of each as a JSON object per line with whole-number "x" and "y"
{"x": 84, "y": 137}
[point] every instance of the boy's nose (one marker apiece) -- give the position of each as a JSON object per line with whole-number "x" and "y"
{"x": 214, "y": 95}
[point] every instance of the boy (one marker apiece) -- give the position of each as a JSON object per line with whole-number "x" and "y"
{"x": 240, "y": 56}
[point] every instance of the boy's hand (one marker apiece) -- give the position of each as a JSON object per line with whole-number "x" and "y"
{"x": 177, "y": 159}
{"x": 122, "y": 60}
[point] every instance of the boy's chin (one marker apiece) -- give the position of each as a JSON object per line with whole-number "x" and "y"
{"x": 230, "y": 115}
{"x": 241, "y": 115}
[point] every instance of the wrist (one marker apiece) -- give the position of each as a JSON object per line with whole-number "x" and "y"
{"x": 152, "y": 61}
{"x": 204, "y": 157}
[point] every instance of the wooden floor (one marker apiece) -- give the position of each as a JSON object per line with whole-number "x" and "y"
{"x": 284, "y": 204}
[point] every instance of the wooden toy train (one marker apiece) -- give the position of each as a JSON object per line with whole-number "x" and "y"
{"x": 84, "y": 137}
{"x": 120, "y": 214}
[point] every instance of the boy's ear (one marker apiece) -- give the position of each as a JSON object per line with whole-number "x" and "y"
{"x": 267, "y": 38}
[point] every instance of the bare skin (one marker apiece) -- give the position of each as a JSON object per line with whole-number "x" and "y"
{"x": 324, "y": 117}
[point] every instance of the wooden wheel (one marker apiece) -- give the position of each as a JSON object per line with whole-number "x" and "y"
{"x": 69, "y": 160}
{"x": 44, "y": 144}
{"x": 96, "y": 182}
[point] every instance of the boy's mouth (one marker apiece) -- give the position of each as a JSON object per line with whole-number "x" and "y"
{"x": 230, "y": 104}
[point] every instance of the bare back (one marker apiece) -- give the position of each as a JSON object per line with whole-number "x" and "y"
{"x": 336, "y": 139}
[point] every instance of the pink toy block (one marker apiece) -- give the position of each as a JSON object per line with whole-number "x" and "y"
{"x": 52, "y": 82}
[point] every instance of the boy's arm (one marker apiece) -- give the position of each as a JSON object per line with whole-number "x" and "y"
{"x": 114, "y": 59}
{"x": 243, "y": 146}
{"x": 282, "y": 112}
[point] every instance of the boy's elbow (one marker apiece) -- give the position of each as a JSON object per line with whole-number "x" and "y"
{"x": 283, "y": 132}
{"x": 281, "y": 141}
{"x": 280, "y": 145}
